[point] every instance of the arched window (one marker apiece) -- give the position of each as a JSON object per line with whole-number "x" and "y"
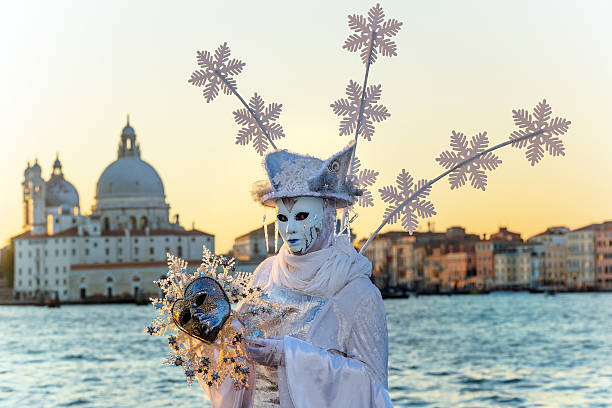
{"x": 144, "y": 222}
{"x": 132, "y": 222}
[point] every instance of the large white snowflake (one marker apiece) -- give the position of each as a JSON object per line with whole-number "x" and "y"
{"x": 251, "y": 130}
{"x": 476, "y": 167}
{"x": 410, "y": 194}
{"x": 545, "y": 127}
{"x": 211, "y": 69}
{"x": 361, "y": 180}
{"x": 372, "y": 112}
{"x": 375, "y": 24}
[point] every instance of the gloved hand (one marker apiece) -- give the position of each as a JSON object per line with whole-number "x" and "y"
{"x": 266, "y": 351}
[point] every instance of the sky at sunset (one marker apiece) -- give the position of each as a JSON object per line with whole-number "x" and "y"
{"x": 71, "y": 71}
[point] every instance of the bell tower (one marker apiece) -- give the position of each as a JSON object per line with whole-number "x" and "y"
{"x": 34, "y": 190}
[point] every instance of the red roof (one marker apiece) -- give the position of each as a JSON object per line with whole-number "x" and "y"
{"x": 73, "y": 232}
{"x": 128, "y": 265}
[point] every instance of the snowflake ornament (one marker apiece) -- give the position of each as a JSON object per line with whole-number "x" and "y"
{"x": 209, "y": 363}
{"x": 361, "y": 180}
{"x": 470, "y": 160}
{"x": 407, "y": 201}
{"x": 372, "y": 35}
{"x": 545, "y": 130}
{"x": 252, "y": 130}
{"x": 213, "y": 70}
{"x": 350, "y": 108}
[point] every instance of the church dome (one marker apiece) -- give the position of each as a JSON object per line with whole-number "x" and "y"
{"x": 129, "y": 176}
{"x": 60, "y": 192}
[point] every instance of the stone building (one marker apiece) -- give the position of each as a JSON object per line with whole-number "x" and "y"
{"x": 553, "y": 273}
{"x": 117, "y": 250}
{"x": 581, "y": 257}
{"x": 603, "y": 253}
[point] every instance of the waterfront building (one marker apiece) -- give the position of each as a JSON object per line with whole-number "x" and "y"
{"x": 250, "y": 249}
{"x": 5, "y": 269}
{"x": 553, "y": 272}
{"x": 581, "y": 257}
{"x": 505, "y": 267}
{"x": 117, "y": 250}
{"x": 460, "y": 271}
{"x": 435, "y": 267}
{"x": 603, "y": 253}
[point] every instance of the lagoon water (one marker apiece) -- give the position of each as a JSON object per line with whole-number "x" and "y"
{"x": 503, "y": 349}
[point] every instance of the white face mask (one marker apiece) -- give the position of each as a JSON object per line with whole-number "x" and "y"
{"x": 299, "y": 222}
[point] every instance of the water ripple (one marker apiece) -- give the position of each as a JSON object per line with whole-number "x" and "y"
{"x": 512, "y": 350}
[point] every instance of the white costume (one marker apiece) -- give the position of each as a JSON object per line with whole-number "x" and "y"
{"x": 325, "y": 342}
{"x": 335, "y": 345}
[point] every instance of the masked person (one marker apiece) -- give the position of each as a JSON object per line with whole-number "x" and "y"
{"x": 326, "y": 345}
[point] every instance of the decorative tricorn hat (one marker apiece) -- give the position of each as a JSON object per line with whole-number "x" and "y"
{"x": 298, "y": 175}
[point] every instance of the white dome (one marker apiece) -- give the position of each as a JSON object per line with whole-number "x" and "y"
{"x": 62, "y": 193}
{"x": 129, "y": 177}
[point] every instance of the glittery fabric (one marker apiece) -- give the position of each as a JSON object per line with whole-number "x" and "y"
{"x": 335, "y": 350}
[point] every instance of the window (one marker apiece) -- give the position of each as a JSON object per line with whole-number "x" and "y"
{"x": 46, "y": 270}
{"x": 86, "y": 251}
{"x": 57, "y": 269}
{"x": 64, "y": 281}
{"x": 151, "y": 250}
{"x": 179, "y": 251}
{"x": 107, "y": 251}
{"x": 46, "y": 253}
{"x": 56, "y": 252}
{"x": 64, "y": 269}
{"x": 73, "y": 251}
{"x": 64, "y": 251}
{"x": 136, "y": 250}
{"x": 95, "y": 244}
{"x": 57, "y": 282}
{"x": 119, "y": 251}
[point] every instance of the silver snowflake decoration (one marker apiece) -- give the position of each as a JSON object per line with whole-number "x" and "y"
{"x": 374, "y": 25}
{"x": 213, "y": 68}
{"x": 251, "y": 130}
{"x": 416, "y": 207}
{"x": 372, "y": 112}
{"x": 478, "y": 162}
{"x": 361, "y": 180}
{"x": 546, "y": 128}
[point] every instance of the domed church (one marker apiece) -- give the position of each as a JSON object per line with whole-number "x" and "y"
{"x": 118, "y": 250}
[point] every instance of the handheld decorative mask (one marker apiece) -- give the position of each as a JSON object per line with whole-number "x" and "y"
{"x": 203, "y": 309}
{"x": 299, "y": 222}
{"x": 194, "y": 311}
